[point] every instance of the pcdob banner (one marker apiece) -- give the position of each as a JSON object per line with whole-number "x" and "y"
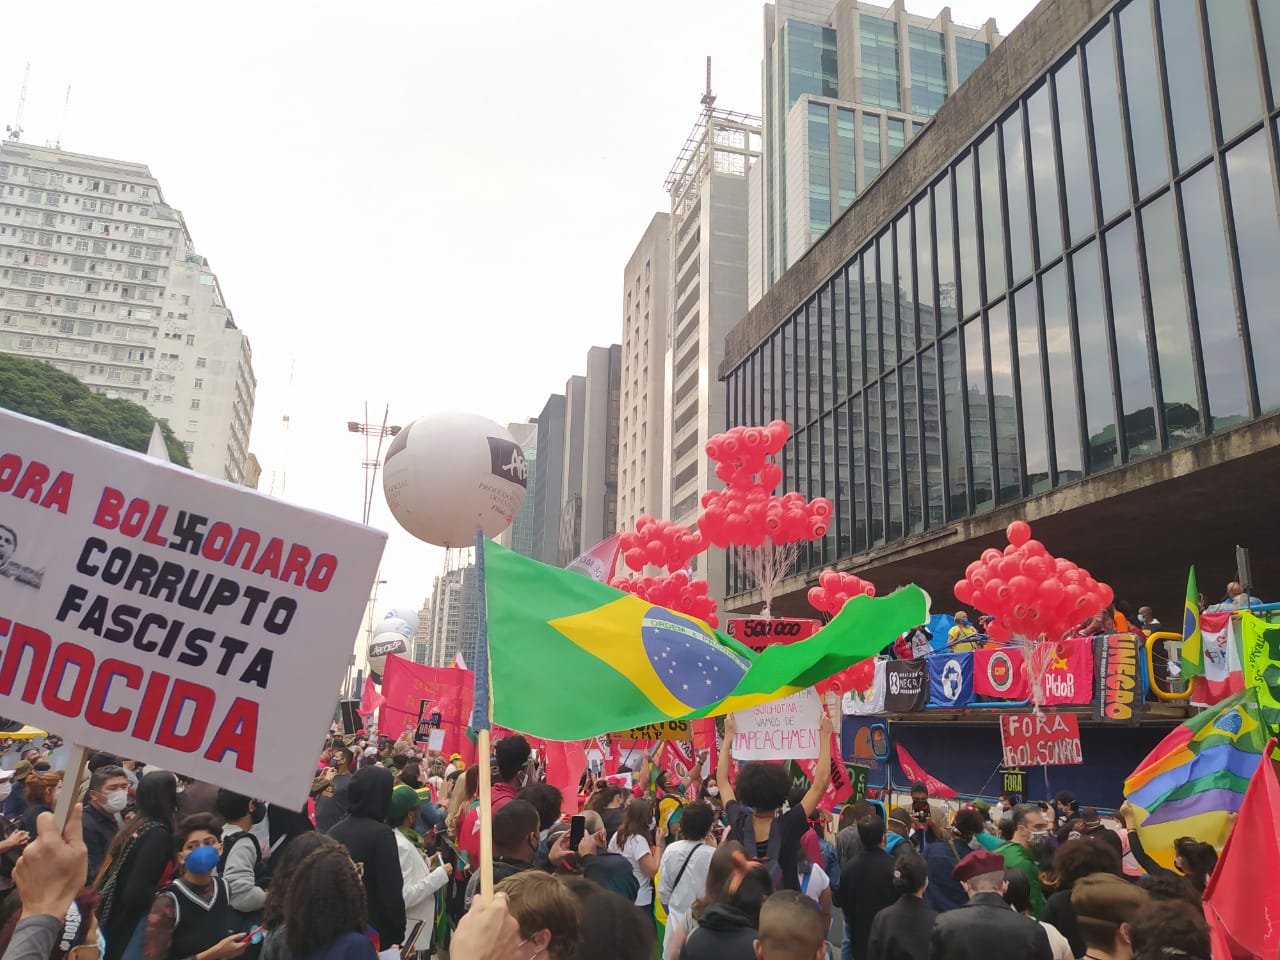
{"x": 154, "y": 613}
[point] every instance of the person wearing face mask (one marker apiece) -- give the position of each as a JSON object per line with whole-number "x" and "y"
{"x": 105, "y": 803}
{"x": 515, "y": 841}
{"x": 241, "y": 863}
{"x": 511, "y": 755}
{"x": 1030, "y": 832}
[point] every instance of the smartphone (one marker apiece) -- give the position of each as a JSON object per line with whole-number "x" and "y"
{"x": 256, "y": 931}
{"x": 407, "y": 948}
{"x": 577, "y": 830}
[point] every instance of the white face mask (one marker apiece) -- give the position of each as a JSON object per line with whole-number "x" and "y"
{"x": 116, "y": 802}
{"x": 713, "y": 791}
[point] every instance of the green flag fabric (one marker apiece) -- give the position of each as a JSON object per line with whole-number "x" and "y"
{"x": 572, "y": 658}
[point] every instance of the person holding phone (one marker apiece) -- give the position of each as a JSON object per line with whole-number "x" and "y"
{"x": 423, "y": 877}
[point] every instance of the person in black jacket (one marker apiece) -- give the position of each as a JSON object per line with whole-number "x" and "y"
{"x": 1073, "y": 861}
{"x": 901, "y": 931}
{"x": 515, "y": 842}
{"x": 107, "y": 797}
{"x": 866, "y": 884}
{"x": 136, "y": 862}
{"x": 726, "y": 927}
{"x": 985, "y": 927}
{"x": 372, "y": 845}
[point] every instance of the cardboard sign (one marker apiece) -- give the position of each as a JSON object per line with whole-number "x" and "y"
{"x": 1013, "y": 780}
{"x": 667, "y": 730}
{"x": 170, "y": 617}
{"x": 1119, "y": 683}
{"x": 760, "y": 632}
{"x": 1040, "y": 740}
{"x": 785, "y": 729}
{"x": 859, "y": 777}
{"x": 425, "y": 725}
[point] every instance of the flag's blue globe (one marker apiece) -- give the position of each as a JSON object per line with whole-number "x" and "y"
{"x": 689, "y": 660}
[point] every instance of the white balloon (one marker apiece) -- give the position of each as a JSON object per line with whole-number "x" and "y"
{"x": 408, "y": 616}
{"x": 381, "y": 646}
{"x": 391, "y": 625}
{"x": 448, "y": 474}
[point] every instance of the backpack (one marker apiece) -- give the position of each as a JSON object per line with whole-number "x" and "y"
{"x": 773, "y": 846}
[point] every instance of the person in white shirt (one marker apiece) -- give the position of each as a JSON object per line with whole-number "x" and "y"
{"x": 634, "y": 841}
{"x": 683, "y": 873}
{"x": 421, "y": 880}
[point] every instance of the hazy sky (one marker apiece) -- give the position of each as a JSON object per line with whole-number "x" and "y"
{"x": 421, "y": 204}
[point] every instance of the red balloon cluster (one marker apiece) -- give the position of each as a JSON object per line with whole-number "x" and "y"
{"x": 1029, "y": 591}
{"x": 677, "y": 591}
{"x": 836, "y": 589}
{"x": 660, "y": 543}
{"x": 747, "y": 512}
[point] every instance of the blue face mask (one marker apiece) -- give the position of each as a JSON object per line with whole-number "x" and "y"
{"x": 102, "y": 943}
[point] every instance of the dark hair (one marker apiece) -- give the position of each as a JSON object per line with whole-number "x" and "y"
{"x": 1170, "y": 886}
{"x": 232, "y": 806}
{"x": 762, "y": 785}
{"x": 98, "y": 779}
{"x": 1160, "y": 928}
{"x": 1006, "y": 828}
{"x": 1009, "y": 795}
{"x": 968, "y": 822}
{"x": 753, "y": 888}
{"x": 610, "y": 926}
{"x": 284, "y": 866}
{"x": 696, "y": 820}
{"x": 871, "y": 831}
{"x": 635, "y": 820}
{"x": 1017, "y": 892}
{"x": 346, "y": 755}
{"x": 411, "y": 771}
{"x": 193, "y": 824}
{"x": 909, "y": 872}
{"x": 513, "y": 822}
{"x": 1020, "y": 813}
{"x": 795, "y": 796}
{"x": 601, "y": 797}
{"x": 919, "y": 787}
{"x": 325, "y": 900}
{"x": 1079, "y": 858}
{"x": 1067, "y": 799}
{"x": 511, "y": 754}
{"x": 1200, "y": 858}
{"x": 546, "y": 799}
{"x": 155, "y": 800}
{"x": 851, "y": 813}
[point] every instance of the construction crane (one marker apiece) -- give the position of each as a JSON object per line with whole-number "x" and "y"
{"x": 708, "y": 98}
{"x": 14, "y": 132}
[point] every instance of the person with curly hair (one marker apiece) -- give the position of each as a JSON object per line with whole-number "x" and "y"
{"x": 1076, "y": 859}
{"x": 1169, "y": 886}
{"x": 325, "y": 913}
{"x": 284, "y": 867}
{"x": 753, "y": 805}
{"x": 1169, "y": 930}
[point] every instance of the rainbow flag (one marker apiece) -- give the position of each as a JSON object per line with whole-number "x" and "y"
{"x": 1196, "y": 776}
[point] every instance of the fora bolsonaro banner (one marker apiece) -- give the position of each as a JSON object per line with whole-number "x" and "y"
{"x": 157, "y": 614}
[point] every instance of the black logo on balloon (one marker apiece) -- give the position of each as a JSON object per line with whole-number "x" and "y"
{"x": 507, "y": 461}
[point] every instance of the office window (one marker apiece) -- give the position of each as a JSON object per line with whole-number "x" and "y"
{"x": 912, "y": 468}
{"x": 896, "y": 131}
{"x": 875, "y": 461}
{"x": 1143, "y": 86}
{"x": 928, "y": 70}
{"x": 888, "y": 303}
{"x": 819, "y": 167}
{"x": 858, "y": 457}
{"x": 1108, "y": 132}
{"x": 905, "y": 285}
{"x": 1076, "y": 176}
{"x": 932, "y": 428}
{"x": 1220, "y": 345}
{"x": 871, "y": 312}
{"x": 1016, "y": 197}
{"x": 1102, "y": 446}
{"x": 967, "y": 231}
{"x": 925, "y": 294}
{"x": 992, "y": 219}
{"x": 846, "y": 156}
{"x": 1060, "y": 360}
{"x": 969, "y": 55}
{"x": 945, "y": 234}
{"x": 1189, "y": 104}
{"x": 953, "y": 426}
{"x": 1234, "y": 65}
{"x": 1258, "y": 246}
{"x": 1004, "y": 405}
{"x": 880, "y": 80}
{"x": 853, "y": 278}
{"x": 1269, "y": 17}
{"x": 892, "y": 457}
{"x": 976, "y": 395}
{"x": 810, "y": 61}
{"x": 195, "y": 404}
{"x": 870, "y": 148}
{"x": 201, "y": 362}
{"x": 837, "y": 325}
{"x": 1129, "y": 326}
{"x": 1044, "y": 173}
{"x": 198, "y": 384}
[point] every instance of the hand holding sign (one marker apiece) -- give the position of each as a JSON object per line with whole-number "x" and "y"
{"x": 790, "y": 728}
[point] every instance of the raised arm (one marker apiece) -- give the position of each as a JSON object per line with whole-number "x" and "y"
{"x": 727, "y": 795}
{"x": 822, "y": 775}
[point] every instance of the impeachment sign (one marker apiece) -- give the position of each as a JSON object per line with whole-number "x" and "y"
{"x": 169, "y": 617}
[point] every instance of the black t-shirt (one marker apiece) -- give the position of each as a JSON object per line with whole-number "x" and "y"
{"x": 791, "y": 825}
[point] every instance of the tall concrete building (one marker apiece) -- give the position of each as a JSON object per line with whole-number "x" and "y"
{"x": 520, "y": 535}
{"x": 453, "y": 623}
{"x": 99, "y": 277}
{"x": 1058, "y": 305}
{"x": 708, "y": 242}
{"x": 645, "y": 303}
{"x": 589, "y": 504}
{"x": 846, "y": 84}
{"x": 546, "y": 484}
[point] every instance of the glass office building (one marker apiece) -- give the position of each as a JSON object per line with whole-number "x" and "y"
{"x": 1090, "y": 281}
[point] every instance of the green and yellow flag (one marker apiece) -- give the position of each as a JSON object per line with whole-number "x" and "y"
{"x": 1261, "y": 655}
{"x": 571, "y": 658}
{"x": 1192, "y": 642}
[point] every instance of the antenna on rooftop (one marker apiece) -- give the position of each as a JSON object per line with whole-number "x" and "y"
{"x": 66, "y": 105}
{"x": 708, "y": 98}
{"x": 14, "y": 132}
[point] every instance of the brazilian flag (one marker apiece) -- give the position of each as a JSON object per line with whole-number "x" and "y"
{"x": 572, "y": 658}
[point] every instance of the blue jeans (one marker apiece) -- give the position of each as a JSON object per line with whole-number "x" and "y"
{"x": 846, "y": 948}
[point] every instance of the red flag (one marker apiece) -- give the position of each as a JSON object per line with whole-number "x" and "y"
{"x": 406, "y": 684}
{"x": 565, "y": 763}
{"x": 839, "y": 789}
{"x": 1242, "y": 900}
{"x": 372, "y": 700}
{"x": 913, "y": 772}
{"x": 1068, "y": 675}
{"x": 999, "y": 672}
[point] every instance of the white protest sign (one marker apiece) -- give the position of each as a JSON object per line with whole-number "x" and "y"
{"x": 164, "y": 616}
{"x": 785, "y": 729}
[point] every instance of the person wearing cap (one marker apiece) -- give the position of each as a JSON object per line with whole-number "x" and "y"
{"x": 191, "y": 916}
{"x": 15, "y": 805}
{"x": 1090, "y": 827}
{"x": 1105, "y": 905}
{"x": 455, "y": 764}
{"x": 985, "y": 927}
{"x": 421, "y": 880}
{"x": 901, "y": 931}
